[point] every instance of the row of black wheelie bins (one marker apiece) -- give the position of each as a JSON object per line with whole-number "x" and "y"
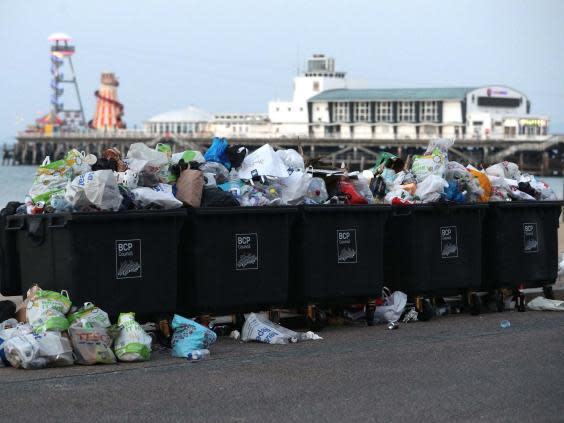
{"x": 228, "y": 260}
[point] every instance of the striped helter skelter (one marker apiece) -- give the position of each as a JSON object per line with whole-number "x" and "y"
{"x": 109, "y": 110}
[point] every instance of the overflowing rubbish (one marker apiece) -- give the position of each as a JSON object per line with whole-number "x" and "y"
{"x": 545, "y": 304}
{"x": 155, "y": 178}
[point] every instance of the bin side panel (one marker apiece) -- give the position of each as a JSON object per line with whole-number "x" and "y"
{"x": 521, "y": 246}
{"x": 235, "y": 262}
{"x": 341, "y": 255}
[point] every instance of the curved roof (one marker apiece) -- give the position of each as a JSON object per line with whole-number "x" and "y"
{"x": 189, "y": 114}
{"x": 391, "y": 94}
{"x": 59, "y": 36}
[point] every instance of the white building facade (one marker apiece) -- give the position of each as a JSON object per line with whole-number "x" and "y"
{"x": 324, "y": 106}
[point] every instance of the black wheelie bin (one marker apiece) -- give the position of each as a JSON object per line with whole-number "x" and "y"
{"x": 235, "y": 259}
{"x": 125, "y": 261}
{"x": 521, "y": 246}
{"x": 337, "y": 256}
{"x": 435, "y": 250}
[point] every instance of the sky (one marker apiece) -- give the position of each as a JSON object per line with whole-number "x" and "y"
{"x": 236, "y": 56}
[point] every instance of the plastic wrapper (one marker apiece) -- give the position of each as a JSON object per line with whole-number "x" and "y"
{"x": 404, "y": 196}
{"x": 46, "y": 311}
{"x": 128, "y": 179}
{"x": 98, "y": 189}
{"x": 292, "y": 159}
{"x": 189, "y": 336}
{"x": 441, "y": 144}
{"x": 160, "y": 196}
{"x": 132, "y": 342}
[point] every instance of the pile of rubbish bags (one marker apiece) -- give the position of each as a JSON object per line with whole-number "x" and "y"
{"x": 49, "y": 331}
{"x": 228, "y": 175}
{"x": 432, "y": 177}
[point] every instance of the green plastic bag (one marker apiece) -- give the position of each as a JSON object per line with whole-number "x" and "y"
{"x": 46, "y": 311}
{"x": 91, "y": 315}
{"x": 132, "y": 342}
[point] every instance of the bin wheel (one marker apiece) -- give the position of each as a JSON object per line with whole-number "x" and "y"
{"x": 475, "y": 304}
{"x": 370, "y": 309}
{"x": 499, "y": 302}
{"x": 426, "y": 310}
{"x": 548, "y": 292}
{"x": 239, "y": 321}
{"x": 318, "y": 321}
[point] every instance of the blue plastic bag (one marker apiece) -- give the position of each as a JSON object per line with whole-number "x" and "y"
{"x": 189, "y": 336}
{"x": 218, "y": 152}
{"x": 452, "y": 193}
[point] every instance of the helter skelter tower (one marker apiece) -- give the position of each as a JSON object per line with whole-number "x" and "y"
{"x": 61, "y": 50}
{"x": 109, "y": 110}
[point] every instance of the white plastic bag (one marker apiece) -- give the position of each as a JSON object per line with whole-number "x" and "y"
{"x": 160, "y": 195}
{"x": 292, "y": 159}
{"x": 129, "y": 178}
{"x": 97, "y": 188}
{"x": 504, "y": 169}
{"x": 132, "y": 343}
{"x": 544, "y": 304}
{"x": 154, "y": 159}
{"x": 294, "y": 187}
{"x": 35, "y": 351}
{"x": 431, "y": 188}
{"x": 89, "y": 315}
{"x": 265, "y": 162}
{"x": 393, "y": 307}
{"x": 258, "y": 328}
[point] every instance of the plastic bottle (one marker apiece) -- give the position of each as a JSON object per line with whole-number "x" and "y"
{"x": 505, "y": 324}
{"x": 197, "y": 355}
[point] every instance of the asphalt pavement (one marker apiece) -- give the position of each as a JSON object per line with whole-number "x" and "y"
{"x": 456, "y": 368}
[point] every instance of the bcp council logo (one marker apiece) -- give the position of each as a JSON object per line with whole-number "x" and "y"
{"x": 246, "y": 251}
{"x": 530, "y": 238}
{"x": 346, "y": 246}
{"x": 128, "y": 259}
{"x": 449, "y": 242}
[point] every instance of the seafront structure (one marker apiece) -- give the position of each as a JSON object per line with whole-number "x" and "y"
{"x": 323, "y": 106}
{"x": 333, "y": 121}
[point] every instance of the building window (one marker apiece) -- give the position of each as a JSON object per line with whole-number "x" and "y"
{"x": 384, "y": 111}
{"x": 428, "y": 111}
{"x": 341, "y": 110}
{"x": 362, "y": 111}
{"x": 316, "y": 86}
{"x": 406, "y": 111}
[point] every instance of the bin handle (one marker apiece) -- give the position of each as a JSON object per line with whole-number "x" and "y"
{"x": 57, "y": 221}
{"x": 402, "y": 211}
{"x": 15, "y": 224}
